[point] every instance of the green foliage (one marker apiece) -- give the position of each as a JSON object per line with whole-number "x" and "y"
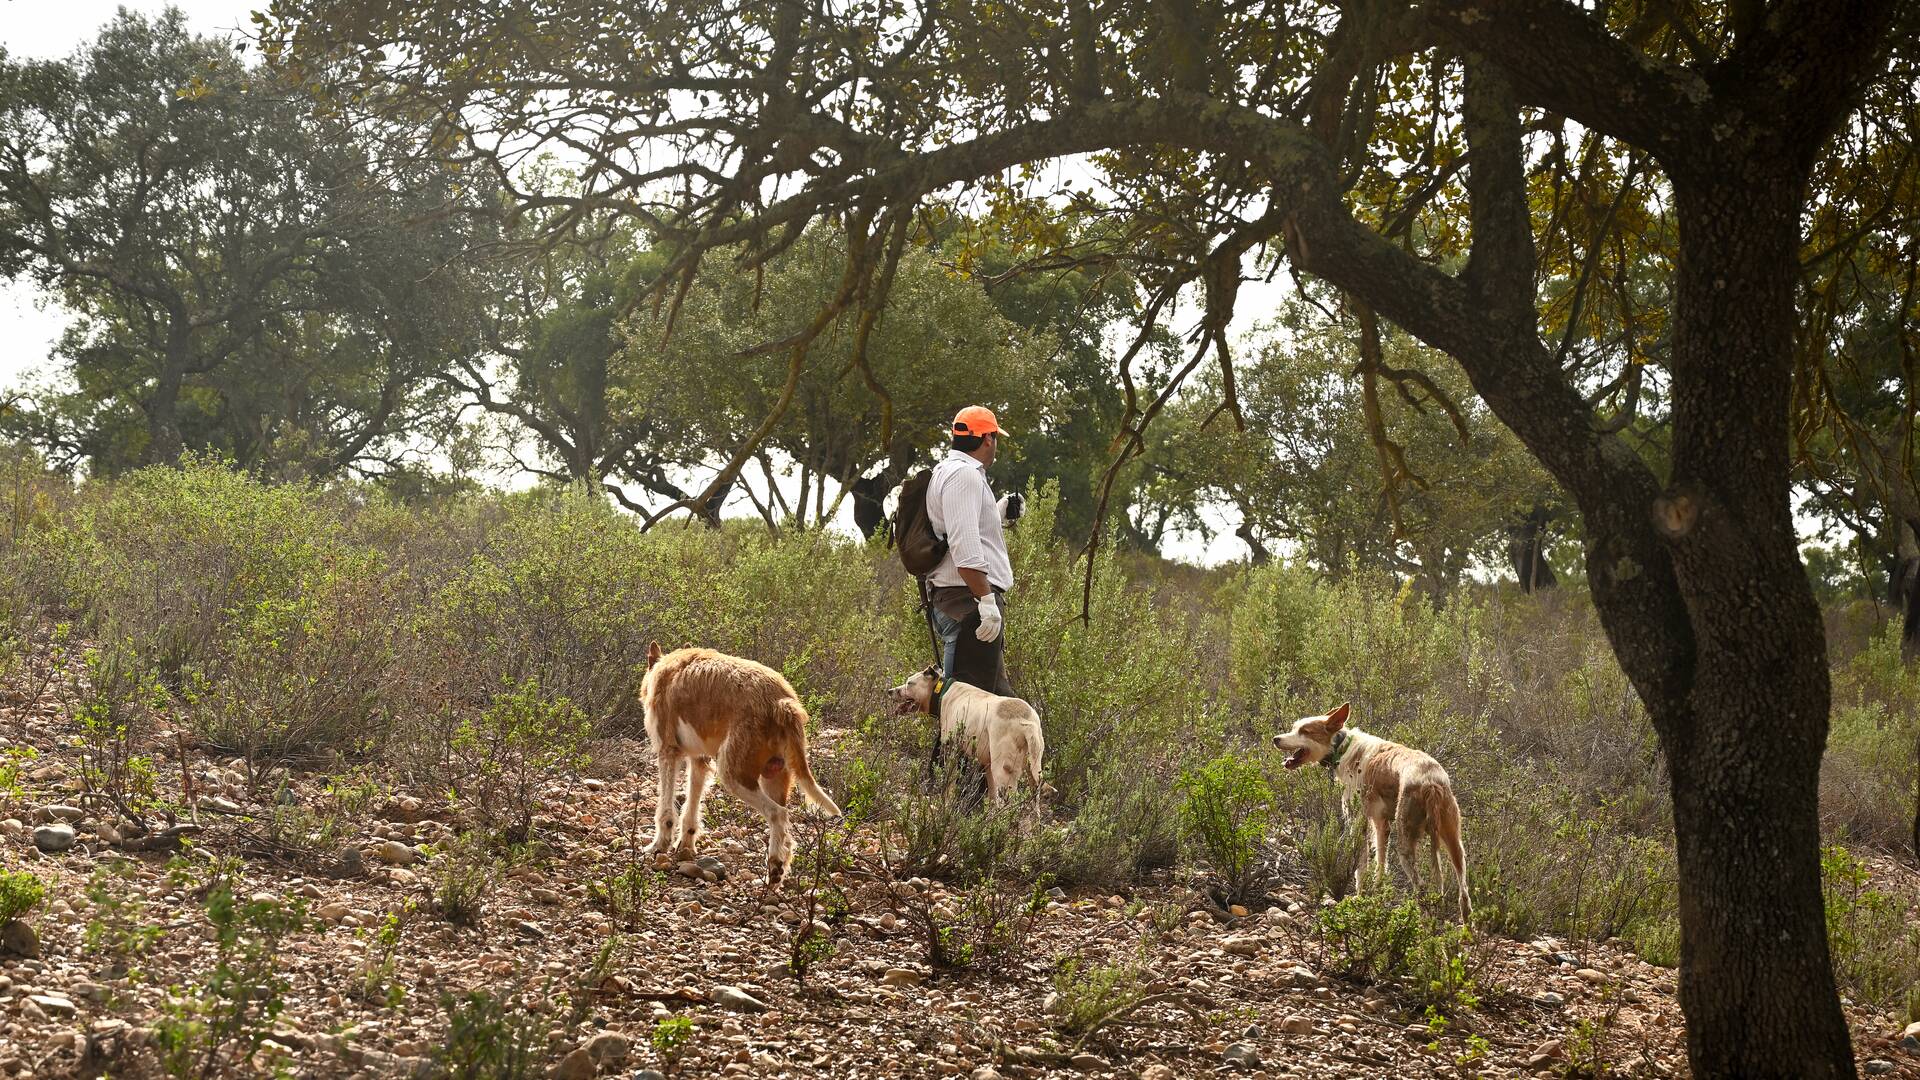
{"x": 491, "y": 1038}
{"x": 1333, "y": 853}
{"x": 243, "y": 994}
{"x": 115, "y": 716}
{"x": 13, "y": 760}
{"x": 1871, "y": 933}
{"x": 506, "y": 755}
{"x": 1090, "y": 994}
{"x": 464, "y": 875}
{"x": 670, "y": 1036}
{"x": 119, "y": 927}
{"x": 374, "y": 982}
{"x": 1227, "y": 809}
{"x": 20, "y": 892}
{"x": 1372, "y": 938}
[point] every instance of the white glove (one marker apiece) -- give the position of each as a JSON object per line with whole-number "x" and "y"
{"x": 989, "y": 618}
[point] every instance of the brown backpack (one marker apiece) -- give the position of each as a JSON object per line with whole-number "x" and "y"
{"x": 920, "y": 549}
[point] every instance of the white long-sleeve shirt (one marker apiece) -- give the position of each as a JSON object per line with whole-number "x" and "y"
{"x": 963, "y": 510}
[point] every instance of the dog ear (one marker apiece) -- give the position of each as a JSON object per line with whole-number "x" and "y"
{"x": 1337, "y": 719}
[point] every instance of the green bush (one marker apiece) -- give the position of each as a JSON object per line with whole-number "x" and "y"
{"x": 1374, "y": 939}
{"x": 1871, "y": 933}
{"x": 464, "y": 874}
{"x": 1090, "y": 994}
{"x": 20, "y": 892}
{"x": 1227, "y": 810}
{"x": 491, "y": 1038}
{"x": 503, "y": 758}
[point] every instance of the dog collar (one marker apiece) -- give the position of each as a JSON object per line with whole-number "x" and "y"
{"x": 940, "y": 688}
{"x": 1332, "y": 761}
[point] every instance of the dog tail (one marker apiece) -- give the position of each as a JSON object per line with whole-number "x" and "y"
{"x": 1445, "y": 816}
{"x": 796, "y": 716}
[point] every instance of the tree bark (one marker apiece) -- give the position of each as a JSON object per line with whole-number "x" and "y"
{"x": 1527, "y": 551}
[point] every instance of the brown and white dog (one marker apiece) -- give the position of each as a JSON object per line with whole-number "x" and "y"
{"x": 1001, "y": 733}
{"x": 1394, "y": 784}
{"x": 706, "y": 708}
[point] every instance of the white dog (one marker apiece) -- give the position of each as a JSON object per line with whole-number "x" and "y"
{"x": 1001, "y": 733}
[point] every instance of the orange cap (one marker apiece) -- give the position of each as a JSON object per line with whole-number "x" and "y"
{"x": 976, "y": 420}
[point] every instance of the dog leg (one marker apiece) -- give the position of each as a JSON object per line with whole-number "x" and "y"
{"x": 779, "y": 837}
{"x": 698, "y": 770}
{"x": 669, "y": 777}
{"x": 1378, "y": 852}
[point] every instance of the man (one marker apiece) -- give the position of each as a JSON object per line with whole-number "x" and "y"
{"x": 968, "y": 588}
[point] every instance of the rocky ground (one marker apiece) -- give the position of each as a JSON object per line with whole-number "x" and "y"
{"x": 1240, "y": 992}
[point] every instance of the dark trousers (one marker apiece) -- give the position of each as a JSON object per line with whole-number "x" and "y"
{"x": 967, "y": 659}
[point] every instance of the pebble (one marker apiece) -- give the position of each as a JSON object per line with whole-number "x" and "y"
{"x": 1297, "y": 1025}
{"x": 902, "y": 977}
{"x": 395, "y": 853}
{"x": 608, "y": 1048}
{"x": 1242, "y": 945}
{"x": 1157, "y": 1071}
{"x": 1088, "y": 1062}
{"x": 54, "y": 838}
{"x": 54, "y": 1005}
{"x": 62, "y": 813}
{"x": 1245, "y": 1055}
{"x": 1302, "y": 976}
{"x": 1589, "y": 975}
{"x": 649, "y": 1074}
{"x": 575, "y": 1066}
{"x": 1237, "y": 911}
{"x": 732, "y": 997}
{"x": 19, "y": 939}
{"x": 1549, "y": 999}
{"x": 1879, "y": 1067}
{"x": 987, "y": 1072}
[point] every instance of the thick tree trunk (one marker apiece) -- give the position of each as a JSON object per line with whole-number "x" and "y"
{"x": 1527, "y": 551}
{"x": 165, "y": 445}
{"x": 1744, "y": 741}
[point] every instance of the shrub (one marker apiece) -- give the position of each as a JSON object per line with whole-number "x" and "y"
{"x": 1371, "y": 938}
{"x": 1333, "y": 853}
{"x": 1227, "y": 808}
{"x": 115, "y": 715}
{"x": 1871, "y": 933}
{"x": 20, "y": 892}
{"x": 242, "y": 995}
{"x": 506, "y": 755}
{"x": 1090, "y": 995}
{"x": 118, "y": 926}
{"x": 490, "y": 1038}
{"x": 670, "y": 1037}
{"x": 464, "y": 876}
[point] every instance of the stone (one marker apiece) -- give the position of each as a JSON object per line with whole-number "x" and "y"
{"x": 1549, "y": 999}
{"x": 53, "y": 1005}
{"x": 1590, "y": 976}
{"x": 68, "y": 814}
{"x": 1242, "y": 945}
{"x": 575, "y": 1066}
{"x": 1302, "y": 976}
{"x": 13, "y": 828}
{"x": 1243, "y": 1055}
{"x": 1910, "y": 1038}
{"x": 1552, "y": 1048}
{"x": 1237, "y": 911}
{"x": 1157, "y": 1071}
{"x": 732, "y": 997}
{"x": 984, "y": 1072}
{"x": 1087, "y": 1062}
{"x": 711, "y": 864}
{"x": 332, "y": 913}
{"x": 1297, "y": 1025}
{"x": 608, "y": 1048}
{"x": 1878, "y": 1067}
{"x": 350, "y": 864}
{"x": 888, "y": 920}
{"x": 546, "y": 896}
{"x": 54, "y": 838}
{"x": 649, "y": 1074}
{"x": 19, "y": 939}
{"x": 902, "y": 977}
{"x": 395, "y": 853}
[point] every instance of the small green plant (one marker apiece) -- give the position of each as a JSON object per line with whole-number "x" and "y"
{"x": 670, "y": 1037}
{"x": 1333, "y": 853}
{"x": 506, "y": 754}
{"x": 1586, "y": 1047}
{"x": 117, "y": 928}
{"x": 13, "y": 763}
{"x": 374, "y": 982}
{"x": 20, "y": 892}
{"x": 114, "y": 717}
{"x": 1091, "y": 995}
{"x": 464, "y": 876}
{"x": 623, "y": 893}
{"x": 243, "y": 994}
{"x": 490, "y": 1038}
{"x": 1871, "y": 933}
{"x": 1370, "y": 938}
{"x": 1227, "y": 808}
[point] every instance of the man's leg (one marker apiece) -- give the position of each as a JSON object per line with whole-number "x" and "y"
{"x": 981, "y": 663}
